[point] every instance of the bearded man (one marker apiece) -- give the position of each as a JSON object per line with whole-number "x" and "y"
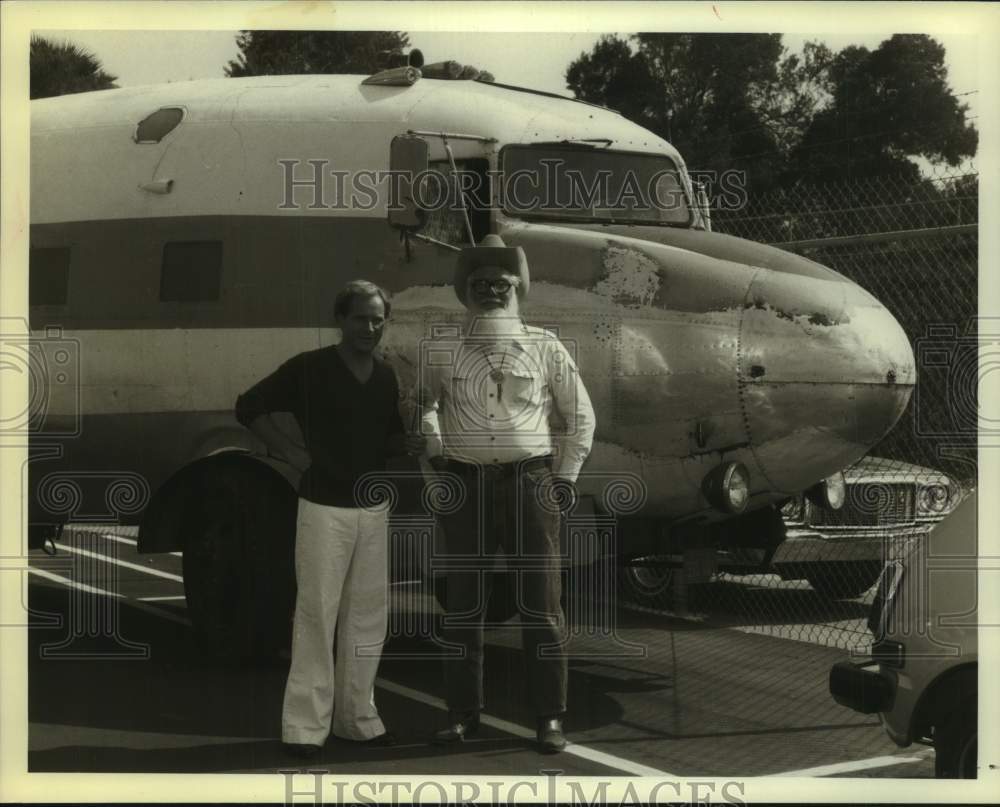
{"x": 488, "y": 417}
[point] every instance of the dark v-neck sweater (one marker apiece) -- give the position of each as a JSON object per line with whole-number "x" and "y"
{"x": 346, "y": 424}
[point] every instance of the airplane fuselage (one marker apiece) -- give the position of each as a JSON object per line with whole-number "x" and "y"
{"x": 195, "y": 268}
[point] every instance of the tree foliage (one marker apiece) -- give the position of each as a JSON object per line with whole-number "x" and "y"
{"x": 62, "y": 68}
{"x": 887, "y": 104}
{"x": 695, "y": 90}
{"x": 742, "y": 101}
{"x": 305, "y": 52}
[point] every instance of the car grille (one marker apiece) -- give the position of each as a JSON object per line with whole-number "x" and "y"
{"x": 870, "y": 504}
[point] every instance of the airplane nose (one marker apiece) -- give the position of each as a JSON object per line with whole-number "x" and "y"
{"x": 825, "y": 371}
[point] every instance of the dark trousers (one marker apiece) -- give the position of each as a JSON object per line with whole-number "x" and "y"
{"x": 505, "y": 506}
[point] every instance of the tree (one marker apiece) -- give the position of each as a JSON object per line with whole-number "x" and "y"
{"x": 741, "y": 101}
{"x": 887, "y": 105}
{"x": 62, "y": 68}
{"x": 788, "y": 106}
{"x": 293, "y": 52}
{"x": 699, "y": 91}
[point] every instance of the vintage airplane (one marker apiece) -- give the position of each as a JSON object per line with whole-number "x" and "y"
{"x": 187, "y": 238}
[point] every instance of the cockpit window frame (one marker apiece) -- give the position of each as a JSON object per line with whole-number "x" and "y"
{"x": 479, "y": 208}
{"x": 583, "y": 147}
{"x": 171, "y": 130}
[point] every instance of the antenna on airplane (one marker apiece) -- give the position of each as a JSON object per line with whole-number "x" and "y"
{"x": 403, "y": 70}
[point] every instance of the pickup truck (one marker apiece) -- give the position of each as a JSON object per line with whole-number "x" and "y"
{"x": 922, "y": 676}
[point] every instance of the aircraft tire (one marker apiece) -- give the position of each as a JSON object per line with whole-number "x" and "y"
{"x": 239, "y": 577}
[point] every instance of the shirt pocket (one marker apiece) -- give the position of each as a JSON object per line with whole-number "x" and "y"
{"x": 527, "y": 389}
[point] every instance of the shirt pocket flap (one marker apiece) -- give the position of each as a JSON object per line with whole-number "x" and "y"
{"x": 526, "y": 386}
{"x": 521, "y": 372}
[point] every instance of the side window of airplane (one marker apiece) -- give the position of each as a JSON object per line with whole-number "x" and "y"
{"x": 445, "y": 220}
{"x": 48, "y": 275}
{"x": 191, "y": 271}
{"x": 153, "y": 128}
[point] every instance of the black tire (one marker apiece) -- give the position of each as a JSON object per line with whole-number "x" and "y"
{"x": 843, "y": 580}
{"x": 649, "y": 586}
{"x": 956, "y": 743}
{"x": 239, "y": 561}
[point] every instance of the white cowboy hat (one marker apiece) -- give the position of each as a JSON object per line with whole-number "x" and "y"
{"x": 491, "y": 251}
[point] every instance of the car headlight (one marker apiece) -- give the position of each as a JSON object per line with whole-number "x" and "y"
{"x": 933, "y": 500}
{"x": 830, "y": 493}
{"x": 727, "y": 487}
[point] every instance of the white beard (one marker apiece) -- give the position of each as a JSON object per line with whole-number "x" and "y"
{"x": 496, "y": 323}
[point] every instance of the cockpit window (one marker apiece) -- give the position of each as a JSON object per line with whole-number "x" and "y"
{"x": 590, "y": 184}
{"x": 153, "y": 128}
{"x": 440, "y": 197}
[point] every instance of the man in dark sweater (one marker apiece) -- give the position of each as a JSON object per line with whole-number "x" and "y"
{"x": 346, "y": 405}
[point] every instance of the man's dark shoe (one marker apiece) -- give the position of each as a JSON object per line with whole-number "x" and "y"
{"x": 302, "y": 750}
{"x": 461, "y": 726}
{"x": 384, "y": 740}
{"x": 551, "y": 739}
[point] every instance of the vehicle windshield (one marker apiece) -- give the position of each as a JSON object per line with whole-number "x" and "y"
{"x": 591, "y": 184}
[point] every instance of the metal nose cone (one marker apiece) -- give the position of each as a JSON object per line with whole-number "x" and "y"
{"x": 825, "y": 372}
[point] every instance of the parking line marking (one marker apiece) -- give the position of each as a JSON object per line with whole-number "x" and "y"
{"x": 857, "y": 765}
{"x": 161, "y": 599}
{"x": 58, "y": 578}
{"x": 132, "y": 542}
{"x": 581, "y": 751}
{"x": 149, "y": 609}
{"x": 124, "y": 563}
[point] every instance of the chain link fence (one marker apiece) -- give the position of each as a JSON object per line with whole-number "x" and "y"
{"x": 914, "y": 246}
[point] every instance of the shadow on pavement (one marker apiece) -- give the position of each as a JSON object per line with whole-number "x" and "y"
{"x": 187, "y": 714}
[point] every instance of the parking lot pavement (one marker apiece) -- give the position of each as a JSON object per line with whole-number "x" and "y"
{"x": 660, "y": 694}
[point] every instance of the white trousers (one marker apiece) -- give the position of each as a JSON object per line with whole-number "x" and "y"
{"x": 340, "y": 567}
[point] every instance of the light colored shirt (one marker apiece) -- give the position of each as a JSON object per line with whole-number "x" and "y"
{"x": 504, "y": 400}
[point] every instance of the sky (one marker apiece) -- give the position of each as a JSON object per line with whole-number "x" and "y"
{"x": 537, "y": 60}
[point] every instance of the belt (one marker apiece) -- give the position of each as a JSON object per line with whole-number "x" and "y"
{"x": 498, "y": 469}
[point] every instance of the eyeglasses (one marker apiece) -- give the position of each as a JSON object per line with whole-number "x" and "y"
{"x": 499, "y": 285}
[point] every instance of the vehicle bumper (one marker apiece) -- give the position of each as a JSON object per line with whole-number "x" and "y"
{"x": 860, "y": 686}
{"x": 810, "y": 546}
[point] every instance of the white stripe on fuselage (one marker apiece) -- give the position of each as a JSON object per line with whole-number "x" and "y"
{"x": 146, "y": 370}
{"x": 132, "y": 371}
